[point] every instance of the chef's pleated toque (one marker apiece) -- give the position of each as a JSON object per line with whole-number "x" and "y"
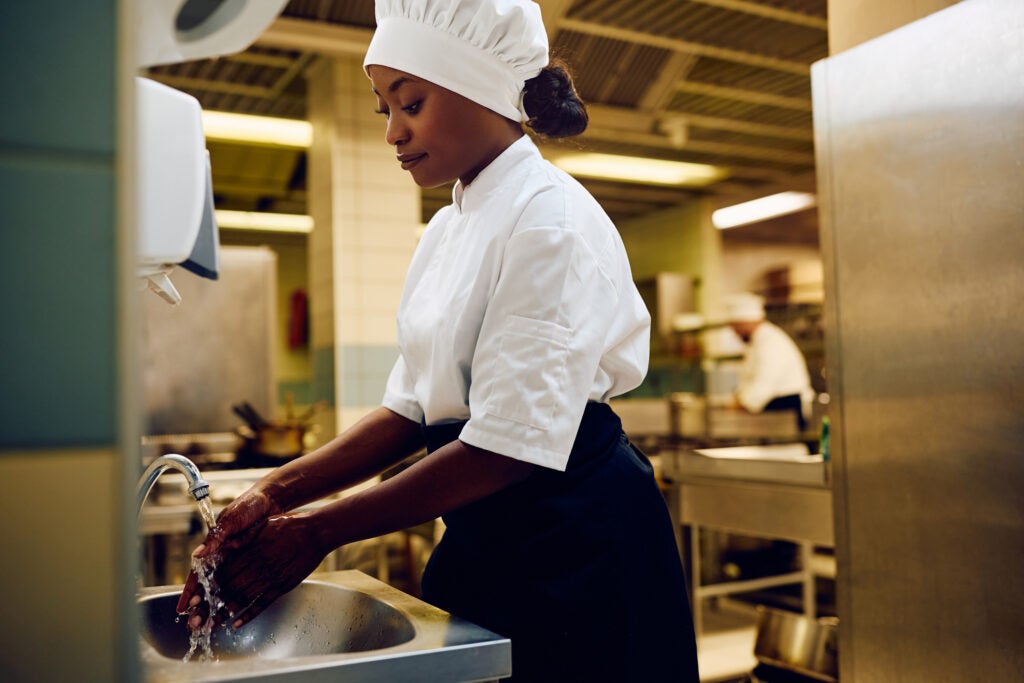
{"x": 484, "y": 50}
{"x": 744, "y": 307}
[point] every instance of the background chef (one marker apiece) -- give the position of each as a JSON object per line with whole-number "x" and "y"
{"x": 773, "y": 376}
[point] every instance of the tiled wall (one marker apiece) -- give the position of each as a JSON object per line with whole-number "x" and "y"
{"x": 366, "y": 211}
{"x": 66, "y": 590}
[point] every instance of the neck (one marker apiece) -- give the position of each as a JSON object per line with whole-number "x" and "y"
{"x": 503, "y": 138}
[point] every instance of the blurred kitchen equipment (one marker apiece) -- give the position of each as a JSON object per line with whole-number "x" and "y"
{"x": 209, "y": 451}
{"x": 249, "y": 415}
{"x": 200, "y": 358}
{"x": 269, "y": 442}
{"x": 797, "y": 643}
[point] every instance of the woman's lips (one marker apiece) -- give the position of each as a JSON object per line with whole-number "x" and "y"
{"x": 410, "y": 160}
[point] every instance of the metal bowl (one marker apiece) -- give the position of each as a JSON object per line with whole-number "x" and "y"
{"x": 798, "y": 643}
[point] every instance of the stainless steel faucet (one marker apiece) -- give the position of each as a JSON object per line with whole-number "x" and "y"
{"x": 197, "y": 486}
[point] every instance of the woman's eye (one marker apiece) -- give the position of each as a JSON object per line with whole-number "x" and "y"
{"x": 413, "y": 108}
{"x": 383, "y": 111}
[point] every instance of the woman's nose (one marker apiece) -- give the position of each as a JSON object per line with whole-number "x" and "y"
{"x": 396, "y": 132}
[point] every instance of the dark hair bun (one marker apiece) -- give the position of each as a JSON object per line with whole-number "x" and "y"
{"x": 551, "y": 102}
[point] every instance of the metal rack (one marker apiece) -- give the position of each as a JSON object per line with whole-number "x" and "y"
{"x": 759, "y": 498}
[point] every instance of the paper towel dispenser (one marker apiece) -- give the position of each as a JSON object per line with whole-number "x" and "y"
{"x": 181, "y": 30}
{"x": 175, "y": 216}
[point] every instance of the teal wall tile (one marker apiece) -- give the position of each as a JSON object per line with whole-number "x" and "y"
{"x": 322, "y": 361}
{"x": 301, "y": 391}
{"x": 662, "y": 380}
{"x": 366, "y": 370}
{"x": 58, "y": 75}
{"x": 57, "y": 278}
{"x": 352, "y": 393}
{"x": 378, "y": 360}
{"x": 368, "y": 359}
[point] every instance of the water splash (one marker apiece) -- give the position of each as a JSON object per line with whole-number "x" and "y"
{"x": 200, "y": 639}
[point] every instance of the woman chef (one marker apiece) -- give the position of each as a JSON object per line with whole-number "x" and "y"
{"x": 518, "y": 321}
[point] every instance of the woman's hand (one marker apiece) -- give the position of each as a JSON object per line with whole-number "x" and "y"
{"x": 239, "y": 520}
{"x": 267, "y": 564}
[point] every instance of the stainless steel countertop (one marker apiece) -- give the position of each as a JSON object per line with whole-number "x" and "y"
{"x": 443, "y": 649}
{"x": 774, "y": 463}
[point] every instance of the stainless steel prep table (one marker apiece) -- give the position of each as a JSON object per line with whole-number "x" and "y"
{"x": 761, "y": 491}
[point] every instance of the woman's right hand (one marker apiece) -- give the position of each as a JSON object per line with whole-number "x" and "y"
{"x": 235, "y": 524}
{"x": 241, "y": 516}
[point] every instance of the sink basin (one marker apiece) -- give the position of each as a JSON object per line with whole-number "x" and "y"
{"x": 337, "y": 626}
{"x": 314, "y": 619}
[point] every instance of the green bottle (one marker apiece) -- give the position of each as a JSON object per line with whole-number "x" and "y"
{"x": 823, "y": 442}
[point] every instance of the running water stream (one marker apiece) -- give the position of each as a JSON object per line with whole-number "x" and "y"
{"x": 200, "y": 638}
{"x": 206, "y": 511}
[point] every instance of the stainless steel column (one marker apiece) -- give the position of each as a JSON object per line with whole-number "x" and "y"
{"x": 920, "y": 137}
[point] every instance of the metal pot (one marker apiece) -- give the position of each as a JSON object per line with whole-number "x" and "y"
{"x": 272, "y": 439}
{"x": 798, "y": 643}
{"x": 275, "y": 439}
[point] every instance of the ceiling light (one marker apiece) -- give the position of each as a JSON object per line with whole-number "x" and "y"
{"x": 639, "y": 169}
{"x": 220, "y": 125}
{"x": 260, "y": 220}
{"x": 760, "y": 209}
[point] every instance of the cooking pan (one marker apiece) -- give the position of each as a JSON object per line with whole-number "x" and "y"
{"x": 273, "y": 439}
{"x": 798, "y": 643}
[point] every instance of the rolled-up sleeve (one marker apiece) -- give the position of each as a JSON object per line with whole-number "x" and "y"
{"x": 399, "y": 393}
{"x": 539, "y": 348}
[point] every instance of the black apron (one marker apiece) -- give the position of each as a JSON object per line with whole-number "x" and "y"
{"x": 578, "y": 568}
{"x": 791, "y": 402}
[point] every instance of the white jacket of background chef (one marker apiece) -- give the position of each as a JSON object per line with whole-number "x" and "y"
{"x": 519, "y": 307}
{"x": 773, "y": 366}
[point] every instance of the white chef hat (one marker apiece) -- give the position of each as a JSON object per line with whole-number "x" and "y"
{"x": 484, "y": 50}
{"x": 744, "y": 307}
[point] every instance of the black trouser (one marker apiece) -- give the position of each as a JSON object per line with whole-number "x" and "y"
{"x": 578, "y": 568}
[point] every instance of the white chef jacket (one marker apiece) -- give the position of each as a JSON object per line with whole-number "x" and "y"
{"x": 519, "y": 307}
{"x": 773, "y": 366}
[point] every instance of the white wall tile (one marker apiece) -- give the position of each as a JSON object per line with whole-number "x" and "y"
{"x": 370, "y": 210}
{"x": 379, "y": 329}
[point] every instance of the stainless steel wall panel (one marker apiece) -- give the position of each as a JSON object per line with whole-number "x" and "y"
{"x": 920, "y": 137}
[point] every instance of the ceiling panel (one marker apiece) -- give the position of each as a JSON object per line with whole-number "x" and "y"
{"x": 725, "y": 82}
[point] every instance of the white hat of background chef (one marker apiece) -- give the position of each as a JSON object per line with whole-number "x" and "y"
{"x": 745, "y": 308}
{"x": 484, "y": 50}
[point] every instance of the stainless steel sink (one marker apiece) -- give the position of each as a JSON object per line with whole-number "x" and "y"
{"x": 314, "y": 619}
{"x": 338, "y": 626}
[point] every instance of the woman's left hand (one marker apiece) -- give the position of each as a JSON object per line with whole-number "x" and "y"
{"x": 275, "y": 559}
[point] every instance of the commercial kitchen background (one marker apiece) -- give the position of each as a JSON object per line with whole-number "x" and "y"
{"x": 72, "y": 368}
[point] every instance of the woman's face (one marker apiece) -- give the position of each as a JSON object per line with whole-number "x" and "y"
{"x": 438, "y": 135}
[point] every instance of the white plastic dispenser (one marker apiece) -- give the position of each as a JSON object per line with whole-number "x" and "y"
{"x": 175, "y": 31}
{"x": 172, "y": 178}
{"x": 175, "y": 214}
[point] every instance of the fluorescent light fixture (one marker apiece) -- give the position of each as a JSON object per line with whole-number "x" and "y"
{"x": 260, "y": 220}
{"x": 638, "y": 169}
{"x": 761, "y": 209}
{"x": 219, "y": 125}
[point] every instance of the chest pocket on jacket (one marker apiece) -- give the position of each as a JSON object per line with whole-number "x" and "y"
{"x": 530, "y": 371}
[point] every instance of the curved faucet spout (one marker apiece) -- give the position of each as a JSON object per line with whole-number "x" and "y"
{"x": 197, "y": 486}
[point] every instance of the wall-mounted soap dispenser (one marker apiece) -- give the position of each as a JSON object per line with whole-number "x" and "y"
{"x": 175, "y": 217}
{"x": 173, "y": 182}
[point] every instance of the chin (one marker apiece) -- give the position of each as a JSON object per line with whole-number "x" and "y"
{"x": 429, "y": 183}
